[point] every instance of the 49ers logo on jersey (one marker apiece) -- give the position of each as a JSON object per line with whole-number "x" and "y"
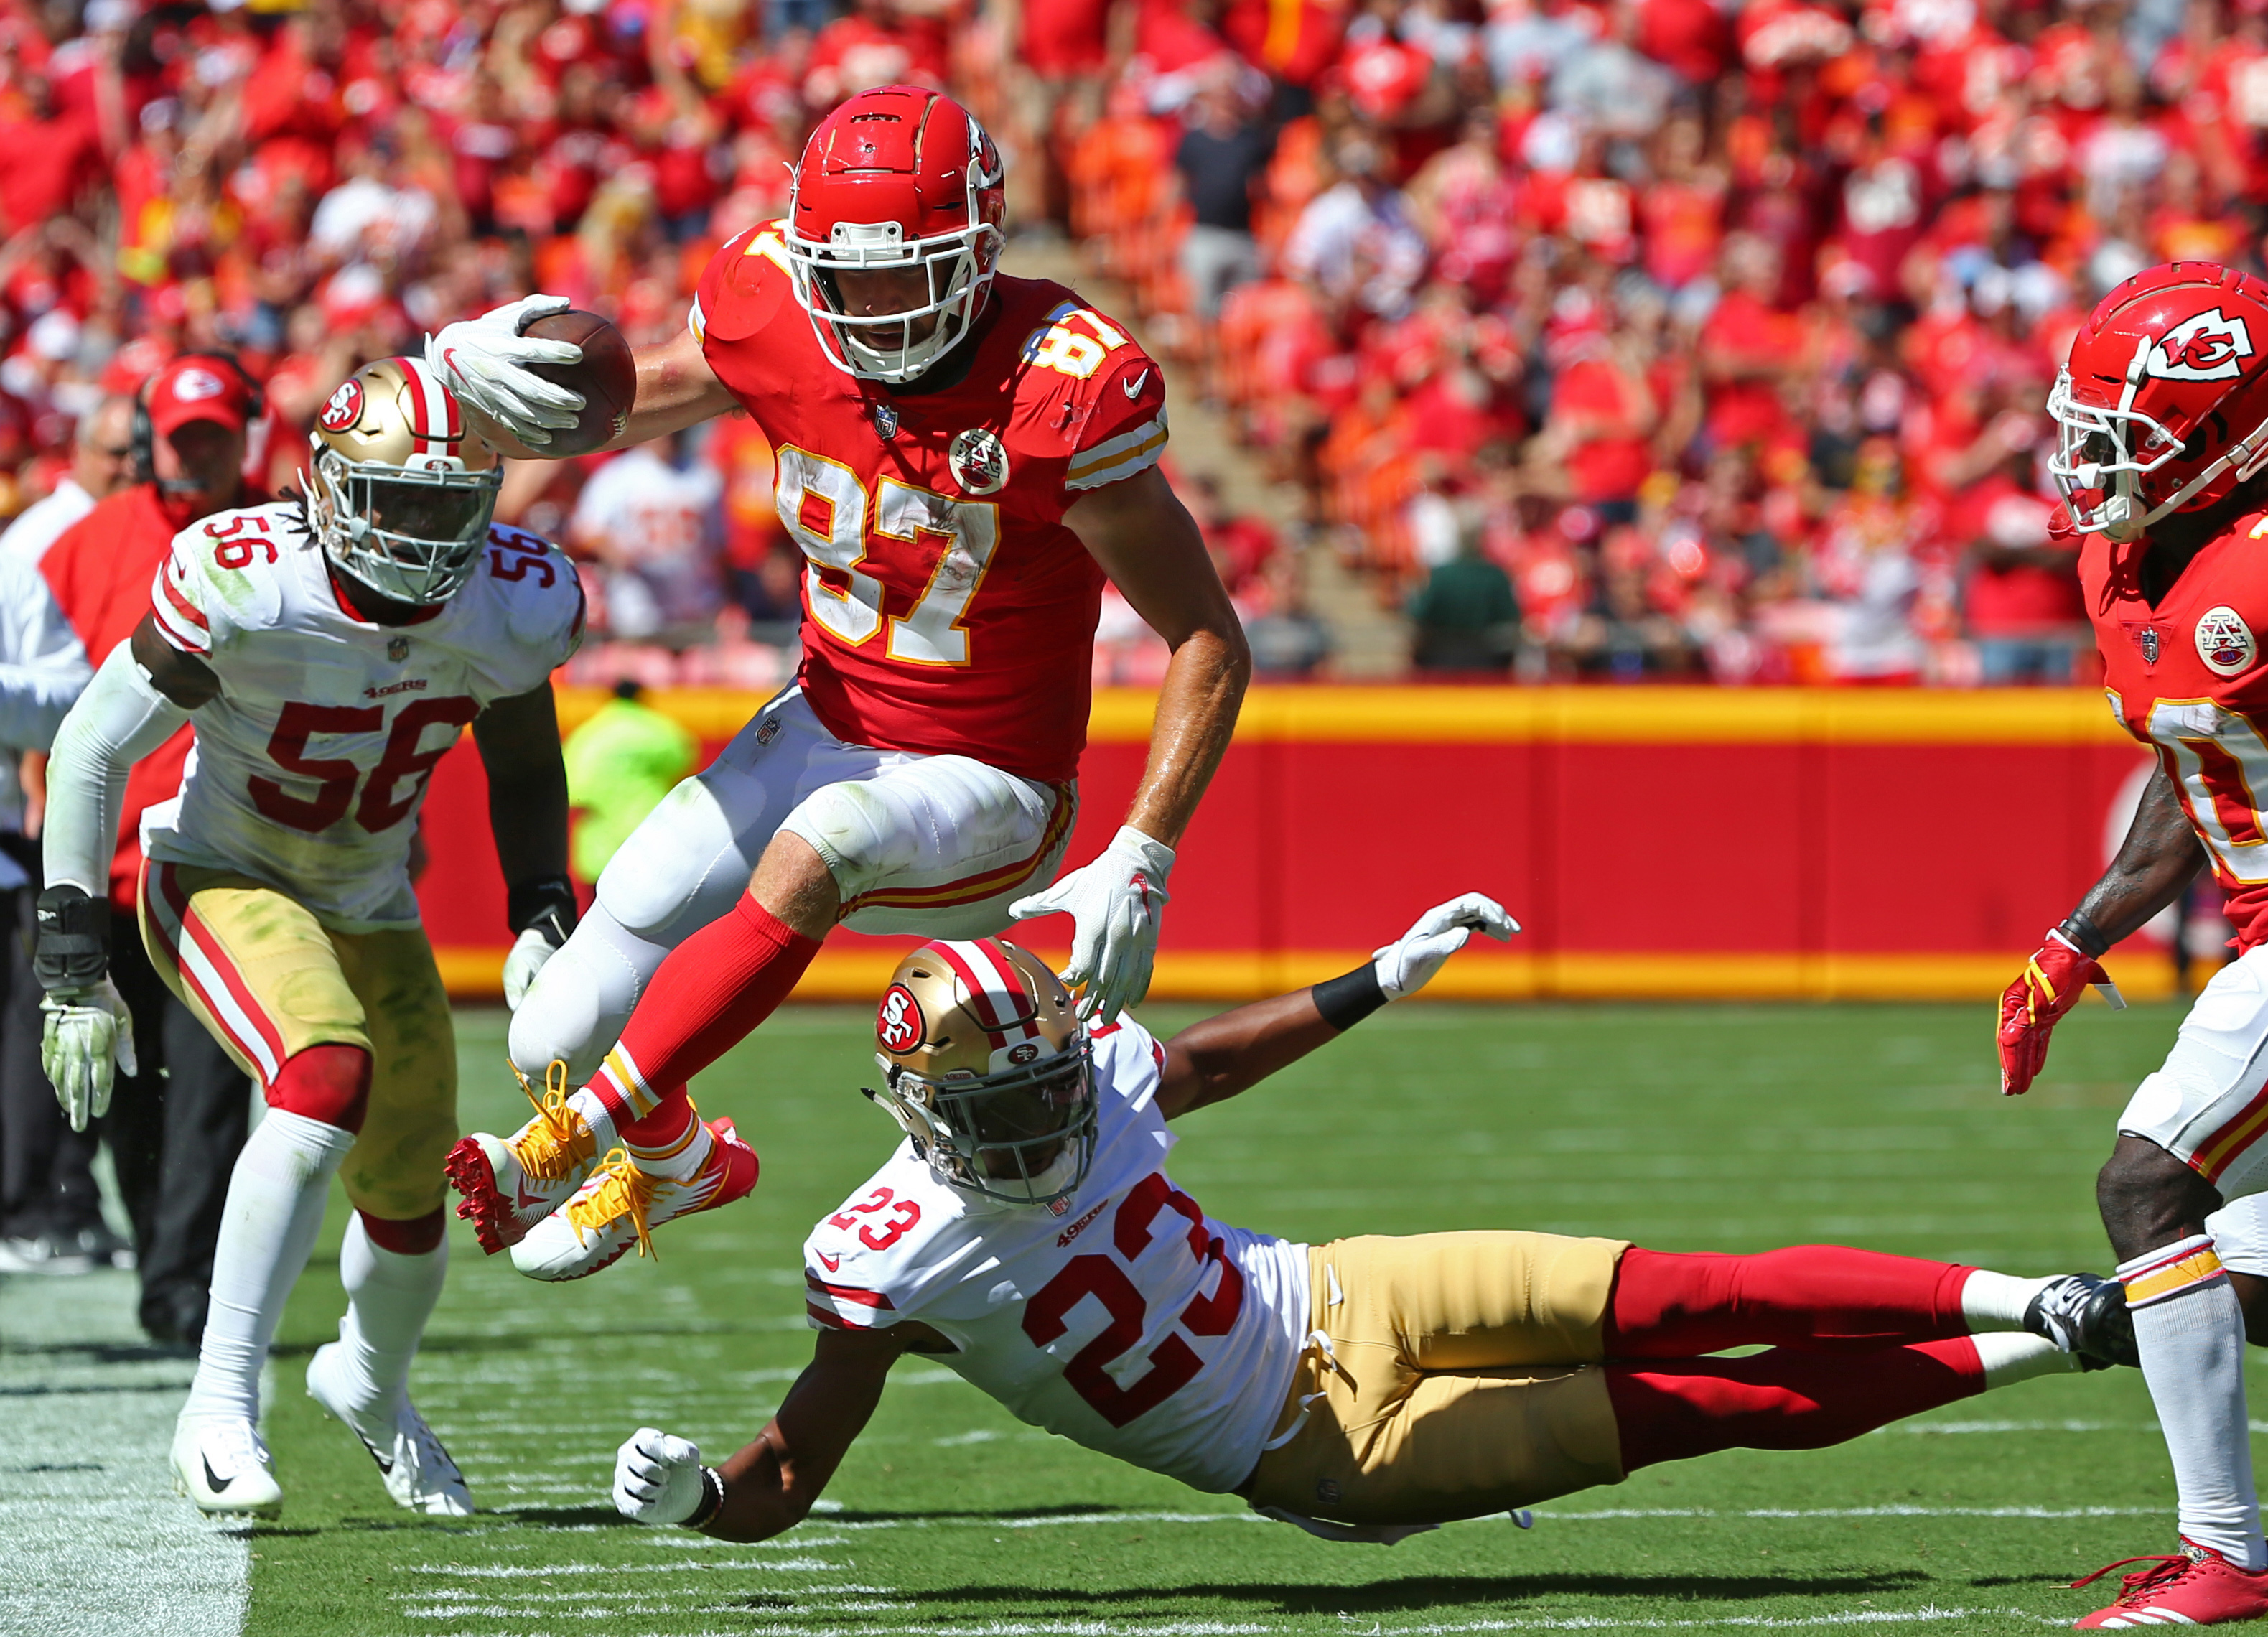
{"x": 2208, "y": 347}
{"x": 2225, "y": 642}
{"x": 344, "y": 408}
{"x": 899, "y": 1026}
{"x": 979, "y": 461}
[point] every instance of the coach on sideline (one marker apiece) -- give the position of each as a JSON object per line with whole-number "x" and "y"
{"x": 50, "y": 1213}
{"x": 174, "y": 1126}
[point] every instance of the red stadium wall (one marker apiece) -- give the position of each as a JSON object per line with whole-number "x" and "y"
{"x": 1672, "y": 841}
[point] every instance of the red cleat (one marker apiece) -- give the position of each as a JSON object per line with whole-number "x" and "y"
{"x": 2195, "y": 1587}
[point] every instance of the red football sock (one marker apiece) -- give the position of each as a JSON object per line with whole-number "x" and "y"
{"x": 328, "y": 1082}
{"x": 1821, "y": 1297}
{"x": 713, "y": 990}
{"x": 1784, "y": 1399}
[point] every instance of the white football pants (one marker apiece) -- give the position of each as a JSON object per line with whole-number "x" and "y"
{"x": 934, "y": 845}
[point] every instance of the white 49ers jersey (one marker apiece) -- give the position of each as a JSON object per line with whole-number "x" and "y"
{"x": 310, "y": 764}
{"x": 1132, "y": 1322}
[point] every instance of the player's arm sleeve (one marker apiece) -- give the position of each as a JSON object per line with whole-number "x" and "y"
{"x": 118, "y": 720}
{"x": 42, "y": 666}
{"x": 1124, "y": 431}
{"x": 178, "y": 600}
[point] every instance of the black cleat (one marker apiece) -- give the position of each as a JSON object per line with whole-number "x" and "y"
{"x": 2085, "y": 1314}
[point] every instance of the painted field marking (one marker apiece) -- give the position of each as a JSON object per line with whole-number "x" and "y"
{"x": 98, "y": 1541}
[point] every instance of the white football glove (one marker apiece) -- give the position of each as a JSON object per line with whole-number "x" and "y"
{"x": 1408, "y": 964}
{"x": 481, "y": 360}
{"x": 657, "y": 1477}
{"x": 1113, "y": 903}
{"x": 83, "y": 1033}
{"x": 529, "y": 951}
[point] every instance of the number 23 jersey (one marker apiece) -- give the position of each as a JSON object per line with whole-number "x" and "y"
{"x": 1132, "y": 1323}
{"x": 311, "y": 764}
{"x": 946, "y": 608}
{"x": 2185, "y": 678}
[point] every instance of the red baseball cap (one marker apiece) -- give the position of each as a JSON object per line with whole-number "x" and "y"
{"x": 197, "y": 389}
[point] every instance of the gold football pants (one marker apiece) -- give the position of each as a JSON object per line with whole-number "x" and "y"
{"x": 269, "y": 980}
{"x": 1462, "y": 1379}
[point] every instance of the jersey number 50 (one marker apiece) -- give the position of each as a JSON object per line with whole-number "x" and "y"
{"x": 839, "y": 526}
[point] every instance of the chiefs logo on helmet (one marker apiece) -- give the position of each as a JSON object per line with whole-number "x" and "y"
{"x": 899, "y": 1025}
{"x": 2211, "y": 346}
{"x": 344, "y": 408}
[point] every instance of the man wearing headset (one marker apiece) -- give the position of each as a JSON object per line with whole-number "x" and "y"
{"x": 179, "y": 1114}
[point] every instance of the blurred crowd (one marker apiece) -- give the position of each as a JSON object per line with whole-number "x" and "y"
{"x": 1626, "y": 339}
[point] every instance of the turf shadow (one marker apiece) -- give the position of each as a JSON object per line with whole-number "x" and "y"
{"x": 1431, "y": 1591}
{"x": 1003, "y": 1514}
{"x": 580, "y": 1516}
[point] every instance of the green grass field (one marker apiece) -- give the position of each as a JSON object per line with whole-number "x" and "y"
{"x": 1684, "y": 1128}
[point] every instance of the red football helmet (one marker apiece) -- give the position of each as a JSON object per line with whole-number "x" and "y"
{"x": 2163, "y": 406}
{"x": 898, "y": 178}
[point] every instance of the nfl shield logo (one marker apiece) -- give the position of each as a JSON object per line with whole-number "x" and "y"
{"x": 979, "y": 461}
{"x": 397, "y": 649}
{"x": 2149, "y": 645}
{"x": 885, "y": 421}
{"x": 770, "y": 731}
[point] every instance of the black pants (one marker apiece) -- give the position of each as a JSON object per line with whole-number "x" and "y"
{"x": 173, "y": 1136}
{"x": 47, "y": 1175}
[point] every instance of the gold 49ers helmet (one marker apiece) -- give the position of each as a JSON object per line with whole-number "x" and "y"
{"x": 987, "y": 1070}
{"x": 402, "y": 489}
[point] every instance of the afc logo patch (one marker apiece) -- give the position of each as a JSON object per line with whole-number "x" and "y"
{"x": 344, "y": 408}
{"x": 2225, "y": 642}
{"x": 899, "y": 1025}
{"x": 979, "y": 461}
{"x": 2208, "y": 347}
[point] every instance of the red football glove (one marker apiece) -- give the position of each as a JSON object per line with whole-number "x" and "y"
{"x": 2052, "y": 982}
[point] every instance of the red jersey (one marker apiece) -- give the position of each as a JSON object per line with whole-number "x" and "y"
{"x": 946, "y": 609}
{"x": 2185, "y": 678}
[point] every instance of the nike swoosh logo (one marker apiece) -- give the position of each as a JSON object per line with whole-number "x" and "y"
{"x": 525, "y": 1200}
{"x": 1134, "y": 385}
{"x": 834, "y": 1265}
{"x": 449, "y": 361}
{"x": 213, "y": 1481}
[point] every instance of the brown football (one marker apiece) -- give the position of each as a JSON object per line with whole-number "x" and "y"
{"x": 607, "y": 378}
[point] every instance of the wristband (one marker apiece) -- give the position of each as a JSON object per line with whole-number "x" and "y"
{"x": 1347, "y": 1000}
{"x": 713, "y": 1499}
{"x": 72, "y": 948}
{"x": 546, "y": 902}
{"x": 2085, "y": 936}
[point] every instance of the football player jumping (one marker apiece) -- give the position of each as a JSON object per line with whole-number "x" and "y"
{"x": 962, "y": 457}
{"x": 2162, "y": 412}
{"x": 328, "y": 650}
{"x": 1025, "y": 1232}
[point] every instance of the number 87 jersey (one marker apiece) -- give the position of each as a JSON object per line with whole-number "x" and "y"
{"x": 311, "y": 764}
{"x": 2185, "y": 677}
{"x": 946, "y": 608}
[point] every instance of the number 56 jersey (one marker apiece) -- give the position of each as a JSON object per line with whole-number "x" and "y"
{"x": 2185, "y": 678}
{"x": 311, "y": 763}
{"x": 946, "y": 608}
{"x": 1132, "y": 1322}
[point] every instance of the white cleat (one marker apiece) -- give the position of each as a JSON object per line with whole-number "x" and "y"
{"x": 222, "y": 1466}
{"x": 511, "y": 1183}
{"x": 419, "y": 1473}
{"x": 619, "y": 1205}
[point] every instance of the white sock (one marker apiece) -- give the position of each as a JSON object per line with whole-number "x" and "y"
{"x": 1992, "y": 1302}
{"x": 2010, "y": 1359}
{"x": 2190, "y": 1332}
{"x": 585, "y": 1102}
{"x": 389, "y": 1298}
{"x": 274, "y": 1206}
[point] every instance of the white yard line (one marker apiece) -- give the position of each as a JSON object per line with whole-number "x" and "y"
{"x": 98, "y": 1543}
